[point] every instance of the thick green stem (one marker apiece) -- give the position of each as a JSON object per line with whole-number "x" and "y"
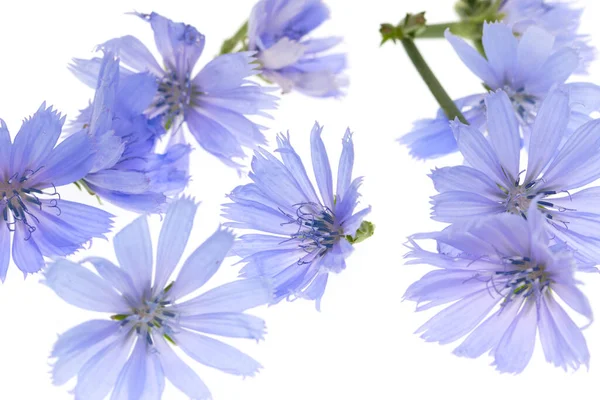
{"x": 435, "y": 87}
{"x": 230, "y": 44}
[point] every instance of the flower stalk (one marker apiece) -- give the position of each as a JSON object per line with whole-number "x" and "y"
{"x": 238, "y": 39}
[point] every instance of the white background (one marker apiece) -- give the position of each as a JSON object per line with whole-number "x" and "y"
{"x": 361, "y": 345}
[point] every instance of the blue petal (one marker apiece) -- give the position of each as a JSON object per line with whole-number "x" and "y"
{"x": 534, "y": 48}
{"x": 4, "y": 249}
{"x": 216, "y": 354}
{"x": 136, "y": 93}
{"x": 82, "y": 288}
{"x": 131, "y": 381}
{"x": 67, "y": 163}
{"x": 584, "y": 96}
{"x": 134, "y": 54}
{"x": 478, "y": 152}
{"x": 36, "y": 139}
{"x": 500, "y": 47}
{"x": 548, "y": 132}
{"x": 76, "y": 346}
{"x": 140, "y": 203}
{"x": 503, "y": 130}
{"x": 559, "y": 66}
{"x": 180, "y": 375}
{"x": 321, "y": 166}
{"x": 294, "y": 164}
{"x": 179, "y": 44}
{"x": 155, "y": 378}
{"x": 87, "y": 71}
{"x": 247, "y": 99}
{"x": 132, "y": 182}
{"x": 346, "y": 163}
{"x": 5, "y": 150}
{"x": 230, "y": 324}
{"x": 173, "y": 238}
{"x": 467, "y": 179}
{"x": 249, "y": 244}
{"x": 26, "y": 254}
{"x": 116, "y": 277}
{"x": 226, "y": 72}
{"x": 235, "y": 296}
{"x": 474, "y": 61}
{"x": 202, "y": 264}
{"x": 98, "y": 376}
{"x": 516, "y": 346}
{"x": 573, "y": 297}
{"x": 133, "y": 247}
{"x": 104, "y": 98}
{"x": 456, "y": 206}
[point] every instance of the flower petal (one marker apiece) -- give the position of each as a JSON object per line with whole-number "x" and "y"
{"x": 134, "y": 54}
{"x": 516, "y": 346}
{"x": 474, "y": 61}
{"x": 457, "y": 206}
{"x": 82, "y": 288}
{"x": 133, "y": 247}
{"x": 559, "y": 66}
{"x": 226, "y": 72}
{"x": 216, "y": 354}
{"x": 4, "y": 249}
{"x": 534, "y": 48}
{"x": 500, "y": 46}
{"x": 131, "y": 381}
{"x": 174, "y": 235}
{"x": 202, "y": 264}
{"x": 118, "y": 278}
{"x": 180, "y": 375}
{"x": 294, "y": 164}
{"x": 548, "y": 132}
{"x": 231, "y": 324}
{"x": 321, "y": 166}
{"x": 344, "y": 176}
{"x": 25, "y": 252}
{"x": 503, "y": 130}
{"x": 463, "y": 178}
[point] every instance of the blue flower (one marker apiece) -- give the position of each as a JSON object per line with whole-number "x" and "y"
{"x": 305, "y": 237}
{"x": 127, "y": 171}
{"x": 558, "y": 18}
{"x": 526, "y": 69}
{"x": 131, "y": 352}
{"x": 214, "y": 103}
{"x": 38, "y": 221}
{"x": 494, "y": 181}
{"x": 500, "y": 280}
{"x": 276, "y": 30}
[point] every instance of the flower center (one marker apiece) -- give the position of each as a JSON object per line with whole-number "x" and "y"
{"x": 175, "y": 93}
{"x": 521, "y": 277}
{"x": 519, "y": 197}
{"x": 525, "y": 105}
{"x": 317, "y": 229}
{"x": 17, "y": 198}
{"x": 153, "y": 315}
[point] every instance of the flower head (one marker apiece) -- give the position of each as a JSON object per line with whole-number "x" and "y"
{"x": 558, "y": 18}
{"x": 493, "y": 181}
{"x": 500, "y": 280}
{"x": 149, "y": 315}
{"x": 526, "y": 68}
{"x": 127, "y": 171}
{"x": 277, "y": 30}
{"x": 305, "y": 236}
{"x": 38, "y": 221}
{"x": 213, "y": 103}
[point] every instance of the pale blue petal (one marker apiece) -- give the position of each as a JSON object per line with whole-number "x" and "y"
{"x": 202, "y": 264}
{"x": 118, "y": 278}
{"x": 474, "y": 61}
{"x": 574, "y": 298}
{"x": 463, "y": 178}
{"x": 155, "y": 378}
{"x": 131, "y": 381}
{"x": 174, "y": 235}
{"x": 134, "y": 54}
{"x": 548, "y": 132}
{"x": 344, "y": 176}
{"x": 500, "y": 46}
{"x": 488, "y": 334}
{"x": 534, "y": 48}
{"x": 249, "y": 244}
{"x": 133, "y": 247}
{"x": 216, "y": 354}
{"x": 82, "y": 288}
{"x": 5, "y": 150}
{"x": 136, "y": 93}
{"x": 235, "y": 296}
{"x": 351, "y": 224}
{"x": 503, "y": 131}
{"x": 478, "y": 153}
{"x": 75, "y": 347}
{"x": 572, "y": 335}
{"x": 516, "y": 346}
{"x": 180, "y": 375}
{"x": 271, "y": 261}
{"x": 321, "y": 166}
{"x": 584, "y": 95}
{"x": 257, "y": 217}
{"x": 25, "y": 252}
{"x": 4, "y": 248}
{"x": 133, "y": 182}
{"x": 98, "y": 376}
{"x": 456, "y": 206}
{"x": 458, "y": 319}
{"x": 230, "y": 324}
{"x": 559, "y": 66}
{"x": 296, "y": 167}
{"x": 87, "y": 71}
{"x": 226, "y": 72}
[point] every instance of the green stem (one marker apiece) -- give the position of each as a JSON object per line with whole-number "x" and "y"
{"x": 435, "y": 87}
{"x": 230, "y": 44}
{"x": 465, "y": 29}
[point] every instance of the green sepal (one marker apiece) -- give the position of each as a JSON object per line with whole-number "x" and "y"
{"x": 82, "y": 185}
{"x": 118, "y": 317}
{"x": 169, "y": 339}
{"x": 478, "y": 11}
{"x": 365, "y": 231}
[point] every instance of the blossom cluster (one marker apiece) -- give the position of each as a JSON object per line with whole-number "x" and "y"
{"x": 521, "y": 212}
